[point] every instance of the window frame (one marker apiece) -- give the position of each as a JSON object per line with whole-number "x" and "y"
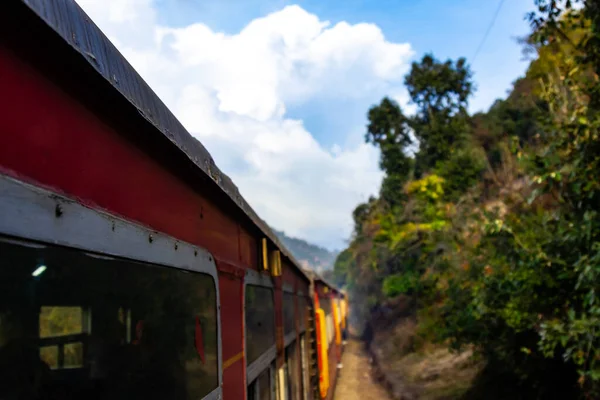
{"x": 35, "y": 217}
{"x": 264, "y": 361}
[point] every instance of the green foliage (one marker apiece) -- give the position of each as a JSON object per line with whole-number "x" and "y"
{"x": 440, "y": 86}
{"x": 462, "y": 170}
{"x": 440, "y": 91}
{"x": 388, "y": 130}
{"x": 360, "y": 215}
{"x": 528, "y": 296}
{"x": 342, "y": 267}
{"x": 398, "y": 284}
{"x": 493, "y": 228}
{"x": 516, "y": 117}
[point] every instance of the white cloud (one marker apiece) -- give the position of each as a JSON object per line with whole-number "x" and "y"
{"x": 232, "y": 92}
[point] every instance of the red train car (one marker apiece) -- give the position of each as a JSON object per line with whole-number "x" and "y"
{"x": 130, "y": 266}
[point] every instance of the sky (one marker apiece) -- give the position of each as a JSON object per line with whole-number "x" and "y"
{"x": 278, "y": 90}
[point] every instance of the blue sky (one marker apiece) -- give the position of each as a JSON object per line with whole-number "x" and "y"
{"x": 278, "y": 90}
{"x": 448, "y": 29}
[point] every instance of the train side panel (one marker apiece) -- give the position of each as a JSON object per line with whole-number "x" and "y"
{"x": 54, "y": 135}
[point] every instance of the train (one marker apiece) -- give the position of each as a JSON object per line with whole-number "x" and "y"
{"x": 130, "y": 266}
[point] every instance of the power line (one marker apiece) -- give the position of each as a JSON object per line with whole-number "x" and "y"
{"x": 487, "y": 32}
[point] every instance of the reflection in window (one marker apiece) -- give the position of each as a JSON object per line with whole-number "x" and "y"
{"x": 260, "y": 321}
{"x": 85, "y": 327}
{"x": 60, "y": 321}
{"x": 63, "y": 327}
{"x": 73, "y": 355}
{"x": 49, "y": 355}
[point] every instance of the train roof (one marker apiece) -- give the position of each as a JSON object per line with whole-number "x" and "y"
{"x": 87, "y": 41}
{"x": 318, "y": 278}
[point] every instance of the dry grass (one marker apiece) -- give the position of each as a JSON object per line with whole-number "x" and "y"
{"x": 429, "y": 372}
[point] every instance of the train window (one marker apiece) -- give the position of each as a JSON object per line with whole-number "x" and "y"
{"x": 260, "y": 321}
{"x": 263, "y": 388}
{"x": 293, "y": 381}
{"x": 302, "y": 311}
{"x": 325, "y": 304}
{"x": 330, "y": 328}
{"x": 289, "y": 320}
{"x": 77, "y": 326}
{"x": 264, "y": 381}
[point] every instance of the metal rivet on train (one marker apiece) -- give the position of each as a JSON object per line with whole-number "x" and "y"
{"x": 150, "y": 238}
{"x": 58, "y": 211}
{"x": 176, "y": 246}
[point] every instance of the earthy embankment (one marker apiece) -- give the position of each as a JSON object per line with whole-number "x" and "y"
{"x": 409, "y": 367}
{"x": 356, "y": 379}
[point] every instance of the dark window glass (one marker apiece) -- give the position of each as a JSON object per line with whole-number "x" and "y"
{"x": 302, "y": 310}
{"x": 74, "y": 326}
{"x": 261, "y": 388}
{"x": 289, "y": 324}
{"x": 260, "y": 321}
{"x": 251, "y": 395}
{"x": 264, "y": 381}
{"x": 293, "y": 389}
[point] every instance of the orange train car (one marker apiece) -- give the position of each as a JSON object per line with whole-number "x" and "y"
{"x": 130, "y": 265}
{"x": 331, "y": 305}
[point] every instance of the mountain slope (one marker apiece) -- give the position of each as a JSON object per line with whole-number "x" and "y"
{"x": 309, "y": 255}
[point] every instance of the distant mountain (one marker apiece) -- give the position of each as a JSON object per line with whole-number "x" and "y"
{"x": 309, "y": 255}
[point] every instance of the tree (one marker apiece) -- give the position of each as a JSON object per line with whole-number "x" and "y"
{"x": 440, "y": 90}
{"x": 388, "y": 129}
{"x": 341, "y": 267}
{"x": 527, "y": 295}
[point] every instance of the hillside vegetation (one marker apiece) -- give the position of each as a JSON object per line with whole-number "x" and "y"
{"x": 487, "y": 239}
